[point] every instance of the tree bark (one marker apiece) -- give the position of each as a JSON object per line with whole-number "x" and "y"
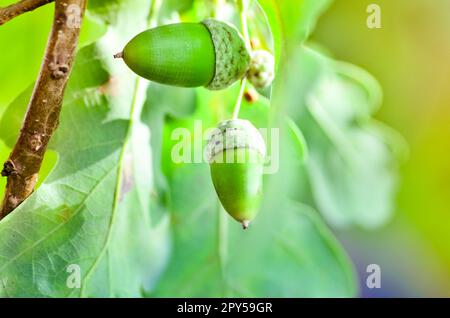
{"x": 42, "y": 117}
{"x": 15, "y": 9}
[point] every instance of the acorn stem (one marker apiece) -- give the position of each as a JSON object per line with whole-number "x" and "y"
{"x": 243, "y": 6}
{"x": 118, "y": 55}
{"x": 237, "y": 106}
{"x": 152, "y": 19}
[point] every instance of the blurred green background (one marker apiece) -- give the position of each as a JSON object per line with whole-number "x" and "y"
{"x": 410, "y": 57}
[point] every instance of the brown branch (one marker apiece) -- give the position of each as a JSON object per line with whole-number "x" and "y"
{"x": 42, "y": 116}
{"x": 15, "y": 9}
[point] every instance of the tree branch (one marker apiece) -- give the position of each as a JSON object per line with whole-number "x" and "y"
{"x": 16, "y": 9}
{"x": 42, "y": 117}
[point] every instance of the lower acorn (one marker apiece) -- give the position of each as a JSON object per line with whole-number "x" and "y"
{"x": 236, "y": 152}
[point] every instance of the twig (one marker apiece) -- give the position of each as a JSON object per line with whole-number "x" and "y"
{"x": 42, "y": 117}
{"x": 16, "y": 9}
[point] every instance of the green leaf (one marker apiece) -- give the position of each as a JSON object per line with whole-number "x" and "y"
{"x": 139, "y": 246}
{"x": 300, "y": 143}
{"x": 163, "y": 103}
{"x": 93, "y": 209}
{"x": 291, "y": 22}
{"x": 286, "y": 252}
{"x": 350, "y": 154}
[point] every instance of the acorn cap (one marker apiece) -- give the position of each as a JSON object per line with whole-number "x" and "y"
{"x": 234, "y": 134}
{"x": 232, "y": 55}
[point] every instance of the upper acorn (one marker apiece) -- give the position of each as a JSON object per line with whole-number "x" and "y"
{"x": 211, "y": 54}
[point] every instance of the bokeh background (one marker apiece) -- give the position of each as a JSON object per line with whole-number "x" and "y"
{"x": 410, "y": 57}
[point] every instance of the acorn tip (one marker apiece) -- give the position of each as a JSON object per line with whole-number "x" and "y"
{"x": 118, "y": 55}
{"x": 245, "y": 224}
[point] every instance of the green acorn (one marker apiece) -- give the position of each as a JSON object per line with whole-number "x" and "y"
{"x": 235, "y": 152}
{"x": 211, "y": 54}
